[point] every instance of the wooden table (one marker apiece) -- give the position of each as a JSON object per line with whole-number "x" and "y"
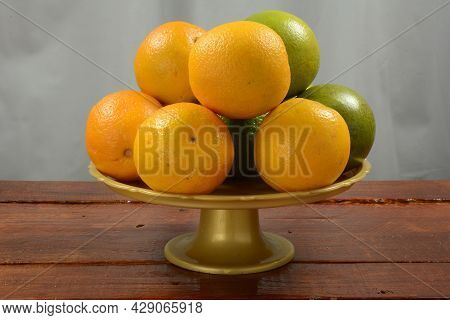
{"x": 74, "y": 240}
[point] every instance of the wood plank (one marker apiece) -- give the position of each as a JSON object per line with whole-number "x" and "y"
{"x": 163, "y": 281}
{"x": 88, "y": 192}
{"x": 342, "y": 245}
{"x": 45, "y": 233}
{"x": 57, "y": 191}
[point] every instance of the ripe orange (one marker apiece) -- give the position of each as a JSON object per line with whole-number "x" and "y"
{"x": 161, "y": 63}
{"x": 183, "y": 148}
{"x": 356, "y": 112}
{"x": 301, "y": 46}
{"x": 110, "y": 130}
{"x": 239, "y": 69}
{"x": 302, "y": 145}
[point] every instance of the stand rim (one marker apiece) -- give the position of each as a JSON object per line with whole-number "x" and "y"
{"x": 204, "y": 268}
{"x": 235, "y": 201}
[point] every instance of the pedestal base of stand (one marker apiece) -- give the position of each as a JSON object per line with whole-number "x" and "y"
{"x": 229, "y": 242}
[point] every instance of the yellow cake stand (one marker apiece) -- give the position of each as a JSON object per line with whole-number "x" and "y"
{"x": 229, "y": 239}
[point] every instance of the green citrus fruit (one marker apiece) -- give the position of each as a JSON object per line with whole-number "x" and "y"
{"x": 301, "y": 46}
{"x": 356, "y": 112}
{"x": 243, "y": 134}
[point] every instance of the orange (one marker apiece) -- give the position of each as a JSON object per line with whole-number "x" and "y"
{"x": 302, "y": 145}
{"x": 183, "y": 148}
{"x": 239, "y": 69}
{"x": 161, "y": 63}
{"x": 110, "y": 130}
{"x": 301, "y": 46}
{"x": 356, "y": 112}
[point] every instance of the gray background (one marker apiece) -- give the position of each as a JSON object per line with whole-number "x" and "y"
{"x": 47, "y": 89}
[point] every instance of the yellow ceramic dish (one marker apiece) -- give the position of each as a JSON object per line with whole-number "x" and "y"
{"x": 229, "y": 239}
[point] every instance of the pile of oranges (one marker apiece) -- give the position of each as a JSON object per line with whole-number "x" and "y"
{"x": 172, "y": 134}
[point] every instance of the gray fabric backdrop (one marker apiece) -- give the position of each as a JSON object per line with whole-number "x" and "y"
{"x": 47, "y": 88}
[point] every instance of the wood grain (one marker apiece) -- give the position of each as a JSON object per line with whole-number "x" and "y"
{"x": 44, "y": 233}
{"x": 88, "y": 192}
{"x": 79, "y": 240}
{"x": 163, "y": 281}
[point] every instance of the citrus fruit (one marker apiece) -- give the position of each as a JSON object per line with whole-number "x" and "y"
{"x": 161, "y": 63}
{"x": 301, "y": 45}
{"x": 243, "y": 134}
{"x": 239, "y": 69}
{"x": 356, "y": 112}
{"x": 301, "y": 146}
{"x": 110, "y": 130}
{"x": 183, "y": 148}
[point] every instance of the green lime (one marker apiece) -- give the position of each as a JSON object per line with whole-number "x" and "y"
{"x": 301, "y": 45}
{"x": 243, "y": 134}
{"x": 356, "y": 112}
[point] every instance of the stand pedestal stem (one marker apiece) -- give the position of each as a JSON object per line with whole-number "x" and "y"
{"x": 229, "y": 242}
